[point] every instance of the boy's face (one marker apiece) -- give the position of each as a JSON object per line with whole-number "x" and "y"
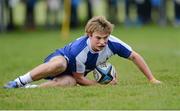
{"x": 98, "y": 40}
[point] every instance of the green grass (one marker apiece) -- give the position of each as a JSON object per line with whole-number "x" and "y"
{"x": 160, "y": 47}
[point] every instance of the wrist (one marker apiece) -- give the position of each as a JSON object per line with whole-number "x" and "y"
{"x": 152, "y": 79}
{"x": 155, "y": 81}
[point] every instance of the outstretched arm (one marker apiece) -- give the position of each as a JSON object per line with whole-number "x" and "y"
{"x": 141, "y": 64}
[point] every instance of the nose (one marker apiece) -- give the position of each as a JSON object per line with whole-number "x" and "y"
{"x": 103, "y": 42}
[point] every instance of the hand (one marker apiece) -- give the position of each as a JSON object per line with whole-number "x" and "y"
{"x": 155, "y": 81}
{"x": 113, "y": 82}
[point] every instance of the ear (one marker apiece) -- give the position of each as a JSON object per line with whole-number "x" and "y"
{"x": 89, "y": 35}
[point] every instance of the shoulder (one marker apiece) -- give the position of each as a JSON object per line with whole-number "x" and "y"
{"x": 81, "y": 40}
{"x": 78, "y": 45}
{"x": 116, "y": 41}
{"x": 119, "y": 47}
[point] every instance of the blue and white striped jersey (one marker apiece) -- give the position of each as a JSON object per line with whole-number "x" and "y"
{"x": 82, "y": 59}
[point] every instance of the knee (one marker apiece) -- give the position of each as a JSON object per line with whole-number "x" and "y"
{"x": 59, "y": 64}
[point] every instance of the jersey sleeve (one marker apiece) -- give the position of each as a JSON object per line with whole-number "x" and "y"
{"x": 119, "y": 47}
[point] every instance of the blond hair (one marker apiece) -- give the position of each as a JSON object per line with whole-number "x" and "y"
{"x": 98, "y": 24}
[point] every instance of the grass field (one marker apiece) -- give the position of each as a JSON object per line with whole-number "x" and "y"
{"x": 160, "y": 47}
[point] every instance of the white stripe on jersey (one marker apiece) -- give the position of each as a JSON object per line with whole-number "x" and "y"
{"x": 81, "y": 59}
{"x": 104, "y": 55}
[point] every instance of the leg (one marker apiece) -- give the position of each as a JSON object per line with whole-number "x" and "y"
{"x": 61, "y": 81}
{"x": 56, "y": 65}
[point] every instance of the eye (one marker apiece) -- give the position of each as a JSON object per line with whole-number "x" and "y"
{"x": 98, "y": 38}
{"x": 105, "y": 38}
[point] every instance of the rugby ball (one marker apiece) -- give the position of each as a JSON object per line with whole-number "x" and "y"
{"x": 104, "y": 73}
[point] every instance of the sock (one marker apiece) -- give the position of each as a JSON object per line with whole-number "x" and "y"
{"x": 23, "y": 80}
{"x": 31, "y": 86}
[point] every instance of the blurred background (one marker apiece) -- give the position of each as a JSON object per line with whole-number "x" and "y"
{"x": 67, "y": 14}
{"x": 32, "y": 29}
